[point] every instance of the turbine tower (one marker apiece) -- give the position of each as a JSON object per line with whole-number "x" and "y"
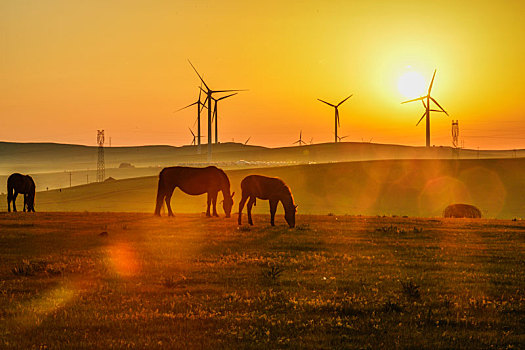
{"x": 337, "y": 123}
{"x": 300, "y": 141}
{"x": 209, "y": 94}
{"x": 215, "y": 100}
{"x": 200, "y": 106}
{"x": 428, "y": 98}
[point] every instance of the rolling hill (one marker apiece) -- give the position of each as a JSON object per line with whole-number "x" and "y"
{"x": 50, "y": 157}
{"x": 389, "y": 187}
{"x": 51, "y": 164}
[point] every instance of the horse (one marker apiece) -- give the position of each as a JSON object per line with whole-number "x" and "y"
{"x": 267, "y": 188}
{"x": 195, "y": 181}
{"x": 18, "y": 183}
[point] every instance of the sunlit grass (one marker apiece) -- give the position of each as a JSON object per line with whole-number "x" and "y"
{"x": 193, "y": 282}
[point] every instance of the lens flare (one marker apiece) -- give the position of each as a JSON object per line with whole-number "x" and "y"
{"x": 36, "y": 310}
{"x": 123, "y": 259}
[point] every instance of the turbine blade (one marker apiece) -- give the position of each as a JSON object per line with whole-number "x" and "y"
{"x": 222, "y": 98}
{"x": 326, "y": 102}
{"x": 432, "y": 82}
{"x": 439, "y": 105}
{"x": 199, "y": 75}
{"x": 205, "y": 101}
{"x": 337, "y": 117}
{"x": 194, "y": 103}
{"x": 424, "y": 114}
{"x": 424, "y": 104}
{"x": 340, "y": 103}
{"x": 416, "y": 99}
{"x": 214, "y": 114}
{"x": 214, "y": 91}
{"x": 192, "y": 132}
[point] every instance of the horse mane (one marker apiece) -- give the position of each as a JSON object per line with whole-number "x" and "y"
{"x": 285, "y": 189}
{"x": 224, "y": 177}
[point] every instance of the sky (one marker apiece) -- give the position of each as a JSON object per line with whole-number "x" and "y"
{"x": 69, "y": 68}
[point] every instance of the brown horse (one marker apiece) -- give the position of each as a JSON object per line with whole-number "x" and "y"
{"x": 194, "y": 181}
{"x": 267, "y": 188}
{"x": 18, "y": 183}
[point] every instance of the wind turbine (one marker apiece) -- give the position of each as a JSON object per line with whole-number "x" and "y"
{"x": 300, "y": 141}
{"x": 339, "y": 138}
{"x": 209, "y": 92}
{"x": 428, "y": 109}
{"x": 200, "y": 106}
{"x": 337, "y": 123}
{"x": 248, "y": 139}
{"x": 215, "y": 114}
{"x": 194, "y": 137}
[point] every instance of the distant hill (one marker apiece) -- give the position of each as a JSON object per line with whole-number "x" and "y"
{"x": 51, "y": 157}
{"x": 389, "y": 187}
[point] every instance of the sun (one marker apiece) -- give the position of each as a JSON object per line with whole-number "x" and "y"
{"x": 411, "y": 84}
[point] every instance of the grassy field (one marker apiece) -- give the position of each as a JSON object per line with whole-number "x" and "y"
{"x": 389, "y": 187}
{"x": 119, "y": 280}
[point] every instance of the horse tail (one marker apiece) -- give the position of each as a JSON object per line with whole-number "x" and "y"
{"x": 161, "y": 193}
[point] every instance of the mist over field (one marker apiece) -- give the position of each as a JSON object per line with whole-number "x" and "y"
{"x": 344, "y": 178}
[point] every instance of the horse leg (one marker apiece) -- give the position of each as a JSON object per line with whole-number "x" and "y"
{"x": 167, "y": 199}
{"x": 208, "y": 203}
{"x": 214, "y": 202}
{"x": 160, "y": 198}
{"x": 14, "y": 200}
{"x": 273, "y": 209}
{"x": 9, "y": 198}
{"x": 241, "y": 206}
{"x": 249, "y": 206}
{"x": 25, "y": 203}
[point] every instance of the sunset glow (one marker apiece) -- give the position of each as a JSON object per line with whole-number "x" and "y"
{"x": 411, "y": 85}
{"x": 70, "y": 68}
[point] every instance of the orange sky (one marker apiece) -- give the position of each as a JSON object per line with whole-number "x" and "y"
{"x": 69, "y": 68}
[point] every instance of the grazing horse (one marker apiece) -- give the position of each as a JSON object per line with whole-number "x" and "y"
{"x": 195, "y": 181}
{"x": 18, "y": 183}
{"x": 267, "y": 188}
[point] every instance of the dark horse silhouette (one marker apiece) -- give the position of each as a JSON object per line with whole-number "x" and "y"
{"x": 18, "y": 183}
{"x": 195, "y": 181}
{"x": 267, "y": 188}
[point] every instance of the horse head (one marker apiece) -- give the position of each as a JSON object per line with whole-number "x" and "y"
{"x": 227, "y": 204}
{"x": 289, "y": 214}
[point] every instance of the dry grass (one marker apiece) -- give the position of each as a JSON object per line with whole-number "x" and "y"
{"x": 192, "y": 282}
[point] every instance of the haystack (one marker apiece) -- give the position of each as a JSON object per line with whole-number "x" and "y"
{"x": 461, "y": 211}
